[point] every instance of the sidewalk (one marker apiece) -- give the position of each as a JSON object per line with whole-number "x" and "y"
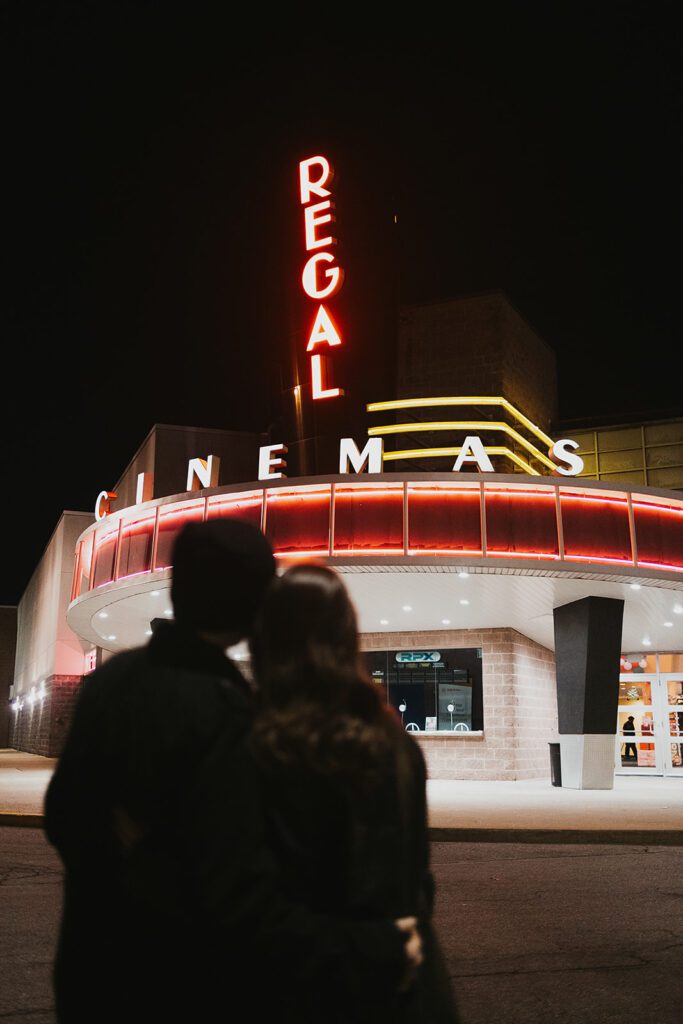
{"x": 23, "y": 781}
{"x": 640, "y": 809}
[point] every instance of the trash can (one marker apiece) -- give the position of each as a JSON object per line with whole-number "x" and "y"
{"x": 555, "y": 764}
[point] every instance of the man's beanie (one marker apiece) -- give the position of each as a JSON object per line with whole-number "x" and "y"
{"x": 221, "y": 569}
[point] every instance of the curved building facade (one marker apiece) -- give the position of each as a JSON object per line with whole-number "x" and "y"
{"x": 506, "y": 605}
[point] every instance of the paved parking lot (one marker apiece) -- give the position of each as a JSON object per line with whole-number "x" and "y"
{"x": 531, "y": 933}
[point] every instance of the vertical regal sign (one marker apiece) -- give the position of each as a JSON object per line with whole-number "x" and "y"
{"x": 322, "y": 277}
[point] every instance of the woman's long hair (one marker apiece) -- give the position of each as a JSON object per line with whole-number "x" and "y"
{"x": 319, "y": 709}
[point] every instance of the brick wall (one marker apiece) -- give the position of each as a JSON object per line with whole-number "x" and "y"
{"x": 535, "y": 707}
{"x": 477, "y": 345}
{"x": 41, "y": 727}
{"x": 520, "y": 705}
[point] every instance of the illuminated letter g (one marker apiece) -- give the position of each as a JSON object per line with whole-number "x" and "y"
{"x": 309, "y": 278}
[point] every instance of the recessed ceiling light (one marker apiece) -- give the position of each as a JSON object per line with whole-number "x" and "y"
{"x": 169, "y": 611}
{"x": 103, "y": 615}
{"x": 634, "y": 586}
{"x": 407, "y": 607}
{"x": 112, "y": 637}
{"x": 646, "y": 642}
{"x": 463, "y": 575}
{"x": 148, "y": 632}
{"x": 446, "y": 622}
{"x": 668, "y": 624}
{"x": 464, "y": 600}
{"x": 155, "y": 593}
{"x": 384, "y": 622}
{"x": 678, "y": 609}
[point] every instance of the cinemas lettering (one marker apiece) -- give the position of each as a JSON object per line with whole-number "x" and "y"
{"x": 203, "y": 472}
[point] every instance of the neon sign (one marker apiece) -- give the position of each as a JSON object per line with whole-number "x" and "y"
{"x": 472, "y": 450}
{"x": 203, "y": 473}
{"x": 419, "y": 657}
{"x": 322, "y": 277}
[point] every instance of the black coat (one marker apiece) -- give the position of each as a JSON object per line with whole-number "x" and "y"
{"x": 171, "y": 896}
{"x": 359, "y": 850}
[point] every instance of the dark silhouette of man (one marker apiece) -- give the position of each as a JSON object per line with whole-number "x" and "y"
{"x": 629, "y": 729}
{"x": 171, "y": 898}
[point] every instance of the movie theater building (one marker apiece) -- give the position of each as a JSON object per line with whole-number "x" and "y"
{"x": 518, "y": 581}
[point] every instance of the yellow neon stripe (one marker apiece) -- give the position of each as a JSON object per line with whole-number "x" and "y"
{"x": 426, "y": 403}
{"x": 528, "y": 424}
{"x": 419, "y": 453}
{"x": 410, "y": 428}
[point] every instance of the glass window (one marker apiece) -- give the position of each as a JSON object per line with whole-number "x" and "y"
{"x": 674, "y": 688}
{"x": 636, "y": 722}
{"x": 634, "y": 692}
{"x": 432, "y": 691}
{"x": 638, "y": 663}
{"x": 671, "y": 662}
{"x": 675, "y": 701}
{"x": 632, "y": 727}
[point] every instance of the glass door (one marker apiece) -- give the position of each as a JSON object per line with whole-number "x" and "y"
{"x": 672, "y": 699}
{"x": 649, "y": 738}
{"x": 638, "y": 748}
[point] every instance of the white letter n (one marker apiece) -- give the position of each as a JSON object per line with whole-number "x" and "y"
{"x": 203, "y": 473}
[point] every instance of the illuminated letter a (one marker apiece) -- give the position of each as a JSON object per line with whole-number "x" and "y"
{"x": 323, "y": 331}
{"x": 473, "y": 451}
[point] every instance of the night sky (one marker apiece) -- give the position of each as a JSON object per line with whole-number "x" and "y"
{"x": 152, "y": 233}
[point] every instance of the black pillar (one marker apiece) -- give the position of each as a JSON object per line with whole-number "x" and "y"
{"x": 587, "y": 650}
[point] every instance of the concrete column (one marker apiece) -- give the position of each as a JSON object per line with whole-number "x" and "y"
{"x": 587, "y": 649}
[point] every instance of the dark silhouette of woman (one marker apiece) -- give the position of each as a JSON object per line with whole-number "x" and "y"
{"x": 344, "y": 791}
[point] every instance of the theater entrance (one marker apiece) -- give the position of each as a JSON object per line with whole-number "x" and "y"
{"x": 649, "y": 737}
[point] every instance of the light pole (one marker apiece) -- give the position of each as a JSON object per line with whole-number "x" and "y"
{"x": 451, "y": 708}
{"x": 401, "y": 708}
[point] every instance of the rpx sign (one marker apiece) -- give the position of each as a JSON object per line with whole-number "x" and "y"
{"x": 322, "y": 277}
